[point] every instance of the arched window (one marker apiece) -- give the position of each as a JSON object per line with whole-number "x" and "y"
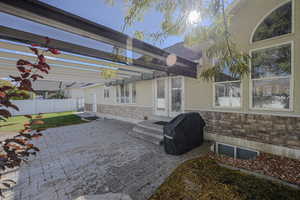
{"x": 279, "y": 22}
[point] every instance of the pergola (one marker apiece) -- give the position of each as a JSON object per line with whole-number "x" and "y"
{"x": 131, "y": 58}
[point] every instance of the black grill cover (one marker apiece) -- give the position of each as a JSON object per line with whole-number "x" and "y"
{"x": 183, "y": 133}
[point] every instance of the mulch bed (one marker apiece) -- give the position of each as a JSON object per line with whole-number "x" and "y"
{"x": 203, "y": 179}
{"x": 283, "y": 168}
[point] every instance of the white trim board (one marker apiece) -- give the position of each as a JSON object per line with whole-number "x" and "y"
{"x": 267, "y": 14}
{"x": 228, "y": 107}
{"x": 125, "y": 119}
{"x": 268, "y": 148}
{"x": 125, "y": 104}
{"x": 168, "y": 98}
{"x": 244, "y": 112}
{"x": 291, "y": 108}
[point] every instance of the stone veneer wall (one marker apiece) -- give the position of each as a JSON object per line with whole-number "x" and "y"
{"x": 270, "y": 129}
{"x": 88, "y": 107}
{"x": 126, "y": 111}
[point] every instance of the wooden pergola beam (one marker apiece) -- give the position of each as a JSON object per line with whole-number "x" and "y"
{"x": 45, "y": 13}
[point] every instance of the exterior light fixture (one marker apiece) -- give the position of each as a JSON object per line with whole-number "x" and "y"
{"x": 171, "y": 60}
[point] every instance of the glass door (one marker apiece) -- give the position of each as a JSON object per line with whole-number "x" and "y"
{"x": 161, "y": 97}
{"x": 94, "y": 103}
{"x": 176, "y": 96}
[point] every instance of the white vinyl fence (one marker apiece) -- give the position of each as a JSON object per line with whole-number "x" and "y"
{"x": 29, "y": 107}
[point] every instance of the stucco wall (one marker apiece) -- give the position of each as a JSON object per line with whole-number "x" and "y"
{"x": 89, "y": 92}
{"x": 75, "y": 93}
{"x": 199, "y": 94}
{"x": 144, "y": 96}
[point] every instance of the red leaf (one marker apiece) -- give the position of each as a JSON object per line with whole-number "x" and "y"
{"x": 36, "y": 76}
{"x": 5, "y": 113}
{"x": 4, "y": 88}
{"x": 54, "y": 51}
{"x": 44, "y": 70}
{"x": 26, "y": 82}
{"x": 45, "y": 65}
{"x": 25, "y": 75}
{"x": 34, "y": 45}
{"x": 28, "y": 116}
{"x": 35, "y": 50}
{"x": 2, "y": 94}
{"x": 23, "y": 62}
{"x": 38, "y": 122}
{"x": 16, "y": 78}
{"x": 47, "y": 40}
{"x": 26, "y": 85}
{"x": 42, "y": 59}
{"x": 13, "y": 106}
{"x": 21, "y": 69}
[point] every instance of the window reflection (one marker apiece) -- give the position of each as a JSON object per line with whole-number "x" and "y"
{"x": 279, "y": 22}
{"x": 273, "y": 93}
{"x": 228, "y": 94}
{"x": 271, "y": 74}
{"x": 272, "y": 62}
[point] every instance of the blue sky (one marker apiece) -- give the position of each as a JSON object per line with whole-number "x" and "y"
{"x": 94, "y": 10}
{"x": 112, "y": 16}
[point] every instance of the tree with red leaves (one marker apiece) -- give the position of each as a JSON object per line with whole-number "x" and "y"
{"x": 16, "y": 150}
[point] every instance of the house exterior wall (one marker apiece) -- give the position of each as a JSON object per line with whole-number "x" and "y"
{"x": 279, "y": 128}
{"x": 242, "y": 25}
{"x": 109, "y": 106}
{"x": 75, "y": 93}
{"x": 254, "y": 127}
{"x": 145, "y": 94}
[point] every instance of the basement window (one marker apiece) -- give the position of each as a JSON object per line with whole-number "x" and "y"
{"x": 236, "y": 152}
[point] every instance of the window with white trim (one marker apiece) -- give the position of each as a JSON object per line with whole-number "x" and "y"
{"x": 227, "y": 90}
{"x": 271, "y": 72}
{"x": 278, "y": 23}
{"x": 106, "y": 93}
{"x": 133, "y": 93}
{"x": 126, "y": 93}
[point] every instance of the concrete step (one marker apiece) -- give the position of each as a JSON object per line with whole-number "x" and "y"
{"x": 149, "y": 125}
{"x": 149, "y": 135}
{"x": 141, "y": 129}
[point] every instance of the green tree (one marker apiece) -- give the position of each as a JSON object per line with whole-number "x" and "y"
{"x": 210, "y": 28}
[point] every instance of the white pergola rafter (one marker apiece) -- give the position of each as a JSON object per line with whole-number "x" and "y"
{"x": 65, "y": 67}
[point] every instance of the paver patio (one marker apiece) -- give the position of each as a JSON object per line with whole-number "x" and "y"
{"x": 93, "y": 158}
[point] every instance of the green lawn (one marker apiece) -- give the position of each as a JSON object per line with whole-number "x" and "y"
{"x": 14, "y": 124}
{"x": 204, "y": 179}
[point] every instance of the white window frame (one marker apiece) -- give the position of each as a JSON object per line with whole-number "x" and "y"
{"x": 106, "y": 92}
{"x": 235, "y": 149}
{"x": 228, "y": 107}
{"x": 266, "y": 15}
{"x": 130, "y": 98}
{"x": 169, "y": 93}
{"x": 291, "y": 108}
{"x": 131, "y": 92}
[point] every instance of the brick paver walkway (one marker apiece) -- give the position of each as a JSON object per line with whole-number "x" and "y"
{"x": 93, "y": 158}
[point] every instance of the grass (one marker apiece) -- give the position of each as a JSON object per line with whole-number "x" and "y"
{"x": 14, "y": 124}
{"x": 204, "y": 179}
